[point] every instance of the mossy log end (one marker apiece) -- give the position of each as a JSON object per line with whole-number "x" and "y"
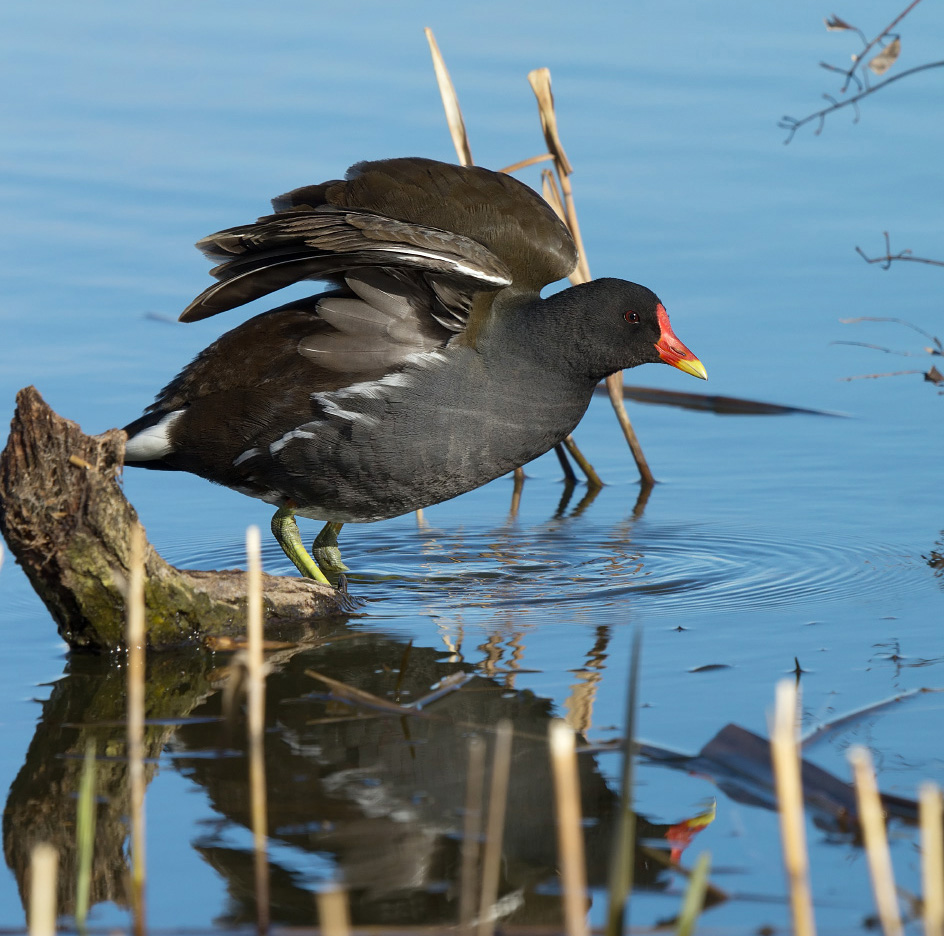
{"x": 67, "y": 522}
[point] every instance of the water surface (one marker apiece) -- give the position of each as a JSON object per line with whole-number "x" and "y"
{"x": 132, "y": 132}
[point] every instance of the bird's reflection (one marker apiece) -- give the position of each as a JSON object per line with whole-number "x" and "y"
{"x": 372, "y": 800}
{"x": 376, "y": 801}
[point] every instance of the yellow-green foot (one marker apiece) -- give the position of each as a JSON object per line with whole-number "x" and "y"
{"x": 285, "y": 530}
{"x": 326, "y": 552}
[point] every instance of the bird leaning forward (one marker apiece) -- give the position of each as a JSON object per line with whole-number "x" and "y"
{"x": 428, "y": 368}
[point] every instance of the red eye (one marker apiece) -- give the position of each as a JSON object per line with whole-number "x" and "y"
{"x": 631, "y": 317}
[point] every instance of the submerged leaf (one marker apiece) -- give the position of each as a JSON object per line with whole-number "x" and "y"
{"x": 886, "y": 58}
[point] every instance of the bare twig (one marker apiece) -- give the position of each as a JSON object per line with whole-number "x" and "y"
{"x": 886, "y": 260}
{"x": 858, "y": 71}
{"x": 897, "y": 373}
{"x": 792, "y": 124}
{"x": 875, "y": 347}
{"x": 932, "y": 375}
{"x": 885, "y": 33}
{"x": 938, "y": 344}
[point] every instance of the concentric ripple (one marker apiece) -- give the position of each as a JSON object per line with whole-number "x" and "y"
{"x": 666, "y": 569}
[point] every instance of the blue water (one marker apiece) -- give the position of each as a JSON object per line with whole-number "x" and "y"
{"x": 130, "y": 132}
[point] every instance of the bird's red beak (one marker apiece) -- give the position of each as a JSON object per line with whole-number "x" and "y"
{"x": 673, "y": 352}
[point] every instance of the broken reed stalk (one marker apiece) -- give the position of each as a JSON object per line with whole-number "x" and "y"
{"x": 44, "y": 870}
{"x": 136, "y": 675}
{"x": 570, "y": 850}
{"x": 460, "y": 139}
{"x": 255, "y": 700}
{"x": 593, "y": 479}
{"x": 786, "y": 763}
{"x": 614, "y": 388}
{"x": 932, "y": 858}
{"x": 85, "y": 835}
{"x": 495, "y": 827}
{"x": 540, "y": 81}
{"x": 621, "y": 862}
{"x": 471, "y": 833}
{"x": 872, "y": 820}
{"x": 334, "y": 918}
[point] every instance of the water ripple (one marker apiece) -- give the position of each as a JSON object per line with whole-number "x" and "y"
{"x": 665, "y": 568}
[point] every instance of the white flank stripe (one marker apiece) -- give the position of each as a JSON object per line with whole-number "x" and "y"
{"x": 299, "y": 433}
{"x": 249, "y": 453}
{"x": 153, "y": 443}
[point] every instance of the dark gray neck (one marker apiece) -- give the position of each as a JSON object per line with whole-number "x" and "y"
{"x": 555, "y": 336}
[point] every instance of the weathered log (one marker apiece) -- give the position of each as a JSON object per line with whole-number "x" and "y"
{"x": 67, "y": 522}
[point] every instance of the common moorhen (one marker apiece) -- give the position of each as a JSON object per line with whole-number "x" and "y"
{"x": 431, "y": 367}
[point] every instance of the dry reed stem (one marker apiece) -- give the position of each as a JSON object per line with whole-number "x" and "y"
{"x": 44, "y": 870}
{"x": 620, "y": 883}
{"x": 569, "y": 828}
{"x": 932, "y": 858}
{"x": 333, "y": 914}
{"x": 255, "y": 700}
{"x": 460, "y": 139}
{"x": 85, "y": 816}
{"x": 786, "y": 762}
{"x": 593, "y": 479}
{"x": 527, "y": 163}
{"x": 872, "y": 820}
{"x": 540, "y": 80}
{"x": 471, "y": 833}
{"x": 694, "y": 901}
{"x": 136, "y": 675}
{"x": 551, "y": 193}
{"x": 614, "y": 387}
{"x": 495, "y": 827}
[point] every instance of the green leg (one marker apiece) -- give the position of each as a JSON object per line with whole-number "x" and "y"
{"x": 325, "y": 549}
{"x": 285, "y": 530}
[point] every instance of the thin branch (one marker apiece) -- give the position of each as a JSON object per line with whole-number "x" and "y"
{"x": 898, "y": 373}
{"x": 938, "y": 344}
{"x": 792, "y": 124}
{"x": 886, "y": 261}
{"x": 860, "y": 58}
{"x": 875, "y": 347}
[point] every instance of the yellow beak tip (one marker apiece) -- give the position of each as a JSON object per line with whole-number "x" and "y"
{"x": 693, "y": 367}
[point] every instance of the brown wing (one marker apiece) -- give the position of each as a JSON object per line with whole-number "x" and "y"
{"x": 459, "y": 230}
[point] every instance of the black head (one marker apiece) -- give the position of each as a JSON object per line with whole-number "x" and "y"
{"x": 612, "y": 324}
